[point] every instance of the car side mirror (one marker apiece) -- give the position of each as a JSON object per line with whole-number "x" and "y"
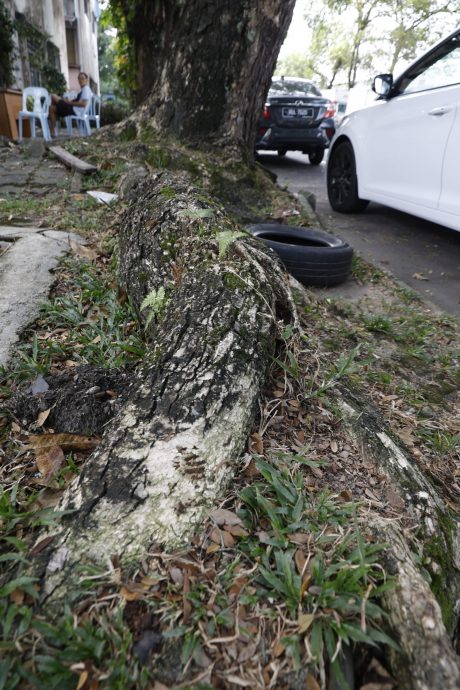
{"x": 382, "y": 84}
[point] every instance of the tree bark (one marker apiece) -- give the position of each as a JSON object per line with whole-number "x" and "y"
{"x": 204, "y": 67}
{"x": 423, "y": 631}
{"x": 173, "y": 447}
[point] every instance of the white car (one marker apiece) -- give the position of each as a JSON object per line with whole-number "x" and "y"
{"x": 404, "y": 149}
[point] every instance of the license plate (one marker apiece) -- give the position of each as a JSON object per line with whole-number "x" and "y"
{"x": 297, "y": 112}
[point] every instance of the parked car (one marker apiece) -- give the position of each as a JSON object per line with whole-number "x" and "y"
{"x": 404, "y": 149}
{"x": 296, "y": 118}
{"x": 340, "y": 110}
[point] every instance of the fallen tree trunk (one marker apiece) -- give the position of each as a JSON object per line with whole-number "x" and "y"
{"x": 423, "y": 631}
{"x": 214, "y": 300}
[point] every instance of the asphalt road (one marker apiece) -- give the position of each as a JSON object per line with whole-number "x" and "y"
{"x": 423, "y": 255}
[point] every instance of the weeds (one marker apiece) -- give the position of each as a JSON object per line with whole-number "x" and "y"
{"x": 89, "y": 325}
{"x": 307, "y": 381}
{"x": 301, "y": 559}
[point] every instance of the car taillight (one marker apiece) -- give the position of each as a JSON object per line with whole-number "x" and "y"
{"x": 266, "y": 113}
{"x": 330, "y": 109}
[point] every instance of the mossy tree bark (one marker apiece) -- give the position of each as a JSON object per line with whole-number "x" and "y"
{"x": 174, "y": 445}
{"x": 423, "y": 619}
{"x": 204, "y": 66}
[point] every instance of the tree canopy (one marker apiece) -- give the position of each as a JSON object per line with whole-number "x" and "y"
{"x": 350, "y": 39}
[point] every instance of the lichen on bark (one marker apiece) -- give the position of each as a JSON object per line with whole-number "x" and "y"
{"x": 174, "y": 445}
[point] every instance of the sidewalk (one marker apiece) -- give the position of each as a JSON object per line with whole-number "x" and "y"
{"x": 28, "y": 254}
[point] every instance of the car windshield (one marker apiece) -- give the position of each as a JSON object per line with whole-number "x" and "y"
{"x": 285, "y": 87}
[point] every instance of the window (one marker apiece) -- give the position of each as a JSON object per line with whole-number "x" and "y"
{"x": 70, "y": 9}
{"x": 53, "y": 56}
{"x": 285, "y": 87}
{"x": 440, "y": 68}
{"x": 72, "y": 44}
{"x": 32, "y": 50}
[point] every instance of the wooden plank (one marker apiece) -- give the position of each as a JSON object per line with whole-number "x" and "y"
{"x": 72, "y": 161}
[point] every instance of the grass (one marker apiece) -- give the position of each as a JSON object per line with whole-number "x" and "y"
{"x": 69, "y": 212}
{"x": 86, "y": 325}
{"x": 293, "y": 576}
{"x": 312, "y": 566}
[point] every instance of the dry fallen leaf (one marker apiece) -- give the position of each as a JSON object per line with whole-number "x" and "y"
{"x": 299, "y": 538}
{"x": 304, "y": 621}
{"x": 419, "y": 276}
{"x": 257, "y": 444}
{"x": 81, "y": 250}
{"x": 43, "y": 442}
{"x": 300, "y": 560}
{"x": 82, "y": 680}
{"x": 17, "y": 596}
{"x": 312, "y": 683}
{"x": 42, "y": 417}
{"x": 225, "y": 517}
{"x": 334, "y": 446}
{"x": 50, "y": 462}
{"x": 219, "y": 536}
{"x": 42, "y": 544}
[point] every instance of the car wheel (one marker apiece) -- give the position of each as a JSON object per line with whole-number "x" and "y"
{"x": 313, "y": 257}
{"x": 342, "y": 183}
{"x": 315, "y": 157}
{"x": 281, "y": 152}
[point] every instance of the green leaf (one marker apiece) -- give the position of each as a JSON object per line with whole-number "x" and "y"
{"x": 23, "y": 583}
{"x": 226, "y": 238}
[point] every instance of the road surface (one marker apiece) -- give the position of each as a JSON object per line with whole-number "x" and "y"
{"x": 423, "y": 255}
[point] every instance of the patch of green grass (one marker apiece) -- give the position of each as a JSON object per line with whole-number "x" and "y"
{"x": 379, "y": 324}
{"x": 40, "y": 653}
{"x": 89, "y": 325}
{"x": 364, "y": 272}
{"x": 24, "y": 207}
{"x": 106, "y": 177}
{"x": 313, "y": 386}
{"x": 324, "y": 596}
{"x": 54, "y": 656}
{"x": 442, "y": 442}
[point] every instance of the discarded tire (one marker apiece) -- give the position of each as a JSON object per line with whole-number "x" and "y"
{"x": 313, "y": 257}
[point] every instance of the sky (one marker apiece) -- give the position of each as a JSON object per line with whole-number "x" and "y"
{"x": 296, "y": 39}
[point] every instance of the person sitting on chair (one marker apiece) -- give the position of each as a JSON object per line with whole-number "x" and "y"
{"x": 62, "y": 107}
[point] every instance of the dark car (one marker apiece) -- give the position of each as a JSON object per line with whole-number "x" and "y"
{"x": 296, "y": 118}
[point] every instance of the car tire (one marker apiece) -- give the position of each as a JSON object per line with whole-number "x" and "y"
{"x": 342, "y": 182}
{"x": 315, "y": 157}
{"x": 314, "y": 257}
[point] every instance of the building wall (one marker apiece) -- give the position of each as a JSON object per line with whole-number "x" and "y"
{"x": 62, "y": 20}
{"x": 88, "y": 14}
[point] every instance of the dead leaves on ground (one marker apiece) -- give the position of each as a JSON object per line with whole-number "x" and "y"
{"x": 49, "y": 451}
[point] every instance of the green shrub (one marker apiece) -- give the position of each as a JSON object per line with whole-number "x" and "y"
{"x": 53, "y": 80}
{"x": 112, "y": 113}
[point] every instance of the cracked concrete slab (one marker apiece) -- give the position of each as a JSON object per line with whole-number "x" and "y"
{"x": 25, "y": 278}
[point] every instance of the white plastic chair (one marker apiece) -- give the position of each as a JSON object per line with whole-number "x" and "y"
{"x": 81, "y": 120}
{"x": 35, "y": 106}
{"x": 95, "y": 111}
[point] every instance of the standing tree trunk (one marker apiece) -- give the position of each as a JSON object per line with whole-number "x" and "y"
{"x": 204, "y": 66}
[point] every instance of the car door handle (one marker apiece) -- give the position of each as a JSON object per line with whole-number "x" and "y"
{"x": 437, "y": 112}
